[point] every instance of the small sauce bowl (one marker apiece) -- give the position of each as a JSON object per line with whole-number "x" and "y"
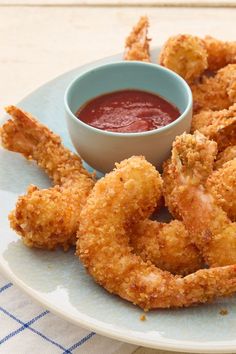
{"x": 100, "y": 148}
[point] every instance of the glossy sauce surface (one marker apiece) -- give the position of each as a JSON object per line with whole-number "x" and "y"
{"x": 128, "y": 111}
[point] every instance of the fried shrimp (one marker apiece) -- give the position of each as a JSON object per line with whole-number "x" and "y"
{"x": 213, "y": 232}
{"x": 119, "y": 200}
{"x": 215, "y": 92}
{"x": 200, "y": 158}
{"x": 137, "y": 43}
{"x": 167, "y": 246}
{"x": 186, "y": 55}
{"x": 219, "y": 53}
{"x": 46, "y": 218}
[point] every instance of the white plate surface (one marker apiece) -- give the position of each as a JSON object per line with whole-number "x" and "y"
{"x": 58, "y": 281}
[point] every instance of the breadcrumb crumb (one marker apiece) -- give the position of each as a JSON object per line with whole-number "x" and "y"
{"x": 143, "y": 317}
{"x": 223, "y": 312}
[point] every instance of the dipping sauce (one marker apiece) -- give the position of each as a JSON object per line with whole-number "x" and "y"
{"x": 128, "y": 111}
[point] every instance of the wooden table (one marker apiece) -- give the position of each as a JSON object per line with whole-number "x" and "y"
{"x": 41, "y": 39}
{"x": 39, "y": 42}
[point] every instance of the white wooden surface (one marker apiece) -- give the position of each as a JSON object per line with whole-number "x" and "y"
{"x": 39, "y": 42}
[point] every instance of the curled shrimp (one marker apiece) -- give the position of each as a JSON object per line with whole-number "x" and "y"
{"x": 46, "y": 218}
{"x": 119, "y": 200}
{"x": 212, "y": 230}
{"x": 137, "y": 43}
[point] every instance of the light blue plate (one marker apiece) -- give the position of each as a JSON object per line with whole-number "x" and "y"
{"x": 58, "y": 281}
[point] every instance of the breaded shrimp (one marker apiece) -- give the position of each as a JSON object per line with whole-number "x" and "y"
{"x": 217, "y": 92}
{"x": 167, "y": 246}
{"x": 221, "y": 184}
{"x": 46, "y": 218}
{"x": 118, "y": 201}
{"x": 217, "y": 125}
{"x": 137, "y": 43}
{"x": 213, "y": 232}
{"x": 197, "y": 160}
{"x": 219, "y": 53}
{"x": 186, "y": 55}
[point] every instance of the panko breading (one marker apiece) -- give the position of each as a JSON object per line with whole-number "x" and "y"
{"x": 195, "y": 164}
{"x": 227, "y": 75}
{"x": 119, "y": 200}
{"x": 46, "y": 218}
{"x": 219, "y": 53}
{"x": 213, "y": 124}
{"x": 211, "y": 229}
{"x": 217, "y": 92}
{"x": 186, "y": 55}
{"x": 141, "y": 260}
{"x": 221, "y": 184}
{"x": 226, "y": 155}
{"x": 137, "y": 43}
{"x": 50, "y": 217}
{"x": 167, "y": 246}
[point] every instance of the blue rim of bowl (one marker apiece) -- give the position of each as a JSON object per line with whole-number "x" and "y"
{"x": 120, "y": 134}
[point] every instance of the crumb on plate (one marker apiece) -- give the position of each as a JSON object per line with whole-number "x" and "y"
{"x": 223, "y": 312}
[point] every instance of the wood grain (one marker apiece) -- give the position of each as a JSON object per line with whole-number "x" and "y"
{"x": 38, "y": 44}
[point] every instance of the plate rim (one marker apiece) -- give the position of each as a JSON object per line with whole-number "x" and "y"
{"x": 170, "y": 344}
{"x": 163, "y": 344}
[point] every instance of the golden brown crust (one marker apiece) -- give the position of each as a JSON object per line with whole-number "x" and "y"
{"x": 217, "y": 92}
{"x": 50, "y": 217}
{"x": 221, "y": 184}
{"x": 118, "y": 201}
{"x": 192, "y": 158}
{"x": 226, "y": 155}
{"x": 219, "y": 53}
{"x": 167, "y": 246}
{"x": 217, "y": 125}
{"x": 211, "y": 229}
{"x": 137, "y": 43}
{"x": 186, "y": 55}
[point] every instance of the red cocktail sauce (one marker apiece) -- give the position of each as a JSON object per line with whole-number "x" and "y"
{"x": 128, "y": 111}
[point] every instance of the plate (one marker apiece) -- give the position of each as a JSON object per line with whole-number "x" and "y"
{"x": 57, "y": 279}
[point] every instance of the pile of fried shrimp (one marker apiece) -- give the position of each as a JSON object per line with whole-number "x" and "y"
{"x": 191, "y": 259}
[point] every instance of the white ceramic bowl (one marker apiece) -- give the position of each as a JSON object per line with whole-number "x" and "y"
{"x": 101, "y": 149}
